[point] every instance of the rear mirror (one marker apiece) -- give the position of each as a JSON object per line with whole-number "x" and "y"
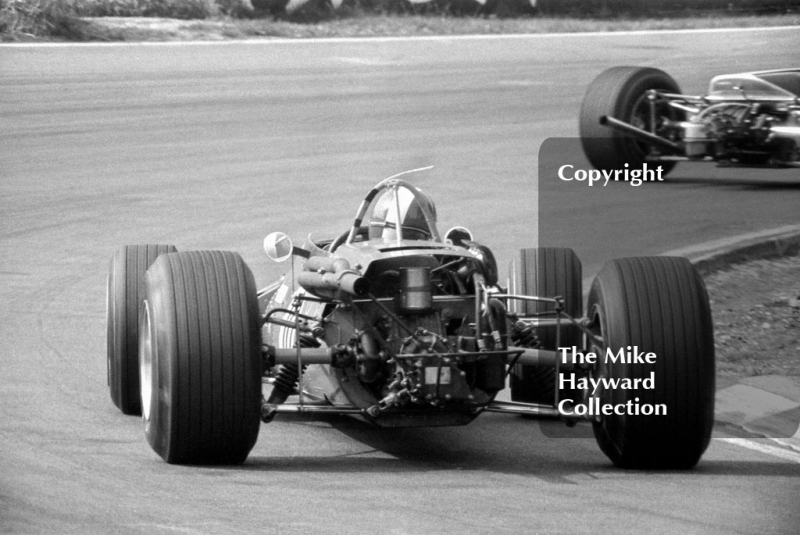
{"x": 278, "y": 246}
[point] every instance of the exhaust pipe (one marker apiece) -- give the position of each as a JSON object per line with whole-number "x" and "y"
{"x": 324, "y": 274}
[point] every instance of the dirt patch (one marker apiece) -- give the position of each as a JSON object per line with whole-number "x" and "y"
{"x": 756, "y": 311}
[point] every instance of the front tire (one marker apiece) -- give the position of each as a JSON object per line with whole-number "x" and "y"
{"x": 124, "y": 297}
{"x": 621, "y": 92}
{"x": 201, "y": 358}
{"x": 658, "y": 305}
{"x": 546, "y": 272}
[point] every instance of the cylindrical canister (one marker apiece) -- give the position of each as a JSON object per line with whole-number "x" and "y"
{"x": 415, "y": 290}
{"x": 695, "y": 139}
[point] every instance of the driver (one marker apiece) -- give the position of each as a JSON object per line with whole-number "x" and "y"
{"x": 383, "y": 223}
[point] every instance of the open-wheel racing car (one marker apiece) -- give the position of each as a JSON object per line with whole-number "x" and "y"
{"x": 637, "y": 115}
{"x": 400, "y": 326}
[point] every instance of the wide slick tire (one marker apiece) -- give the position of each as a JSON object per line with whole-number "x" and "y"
{"x": 656, "y": 305}
{"x": 545, "y": 272}
{"x": 124, "y": 297}
{"x": 201, "y": 358}
{"x": 621, "y": 92}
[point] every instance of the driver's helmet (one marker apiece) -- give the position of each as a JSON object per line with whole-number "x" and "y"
{"x": 383, "y": 223}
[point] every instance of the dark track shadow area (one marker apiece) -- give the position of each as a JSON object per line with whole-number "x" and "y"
{"x": 494, "y": 443}
{"x": 497, "y": 443}
{"x": 765, "y": 182}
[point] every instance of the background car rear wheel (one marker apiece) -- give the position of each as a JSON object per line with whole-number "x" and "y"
{"x": 201, "y": 358}
{"x": 124, "y": 297}
{"x": 660, "y": 305}
{"x": 546, "y": 272}
{"x": 621, "y": 92}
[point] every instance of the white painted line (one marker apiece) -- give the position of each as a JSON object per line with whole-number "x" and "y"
{"x": 745, "y": 403}
{"x": 701, "y": 251}
{"x": 326, "y": 40}
{"x": 735, "y": 241}
{"x": 792, "y": 442}
{"x": 763, "y": 448}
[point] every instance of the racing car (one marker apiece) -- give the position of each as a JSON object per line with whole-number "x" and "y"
{"x": 638, "y": 115}
{"x": 391, "y": 322}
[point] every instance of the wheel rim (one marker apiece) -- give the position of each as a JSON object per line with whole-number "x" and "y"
{"x": 597, "y": 345}
{"x": 640, "y": 118}
{"x": 146, "y": 363}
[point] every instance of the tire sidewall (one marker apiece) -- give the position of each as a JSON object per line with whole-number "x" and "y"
{"x": 159, "y": 329}
{"x": 121, "y": 358}
{"x": 609, "y": 429}
{"x": 125, "y": 292}
{"x": 111, "y": 342}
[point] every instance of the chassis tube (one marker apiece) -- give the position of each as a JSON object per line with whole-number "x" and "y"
{"x": 539, "y": 357}
{"x": 319, "y": 409}
{"x": 546, "y": 322}
{"x": 309, "y": 355}
{"x": 786, "y": 132}
{"x": 532, "y": 409}
{"x": 631, "y": 130}
{"x": 325, "y": 355}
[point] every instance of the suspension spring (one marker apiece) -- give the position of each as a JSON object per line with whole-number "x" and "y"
{"x": 524, "y": 335}
{"x": 285, "y": 383}
{"x": 286, "y": 380}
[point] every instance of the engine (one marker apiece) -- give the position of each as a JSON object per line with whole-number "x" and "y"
{"x": 408, "y": 334}
{"x": 411, "y": 351}
{"x": 743, "y": 132}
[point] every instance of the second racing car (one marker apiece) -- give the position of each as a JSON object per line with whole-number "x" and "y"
{"x": 638, "y": 115}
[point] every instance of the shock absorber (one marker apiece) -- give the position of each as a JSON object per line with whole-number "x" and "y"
{"x": 288, "y": 375}
{"x": 524, "y": 335}
{"x": 285, "y": 383}
{"x": 496, "y": 314}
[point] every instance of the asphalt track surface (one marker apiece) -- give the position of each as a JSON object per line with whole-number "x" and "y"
{"x": 213, "y": 146}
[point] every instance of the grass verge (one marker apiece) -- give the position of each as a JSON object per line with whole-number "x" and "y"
{"x": 164, "y": 20}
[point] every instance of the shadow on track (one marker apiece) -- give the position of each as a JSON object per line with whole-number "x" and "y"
{"x": 744, "y": 184}
{"x": 747, "y": 468}
{"x": 492, "y": 443}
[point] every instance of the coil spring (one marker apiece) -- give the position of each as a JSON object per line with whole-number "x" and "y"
{"x": 288, "y": 376}
{"x": 524, "y": 335}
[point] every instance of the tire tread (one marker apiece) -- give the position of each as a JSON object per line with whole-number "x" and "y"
{"x": 665, "y": 308}
{"x": 216, "y": 366}
{"x": 546, "y": 272}
{"x": 126, "y": 291}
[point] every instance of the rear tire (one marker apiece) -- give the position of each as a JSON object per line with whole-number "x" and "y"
{"x": 124, "y": 297}
{"x": 621, "y": 92}
{"x": 201, "y": 358}
{"x": 546, "y": 272}
{"x": 659, "y": 305}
